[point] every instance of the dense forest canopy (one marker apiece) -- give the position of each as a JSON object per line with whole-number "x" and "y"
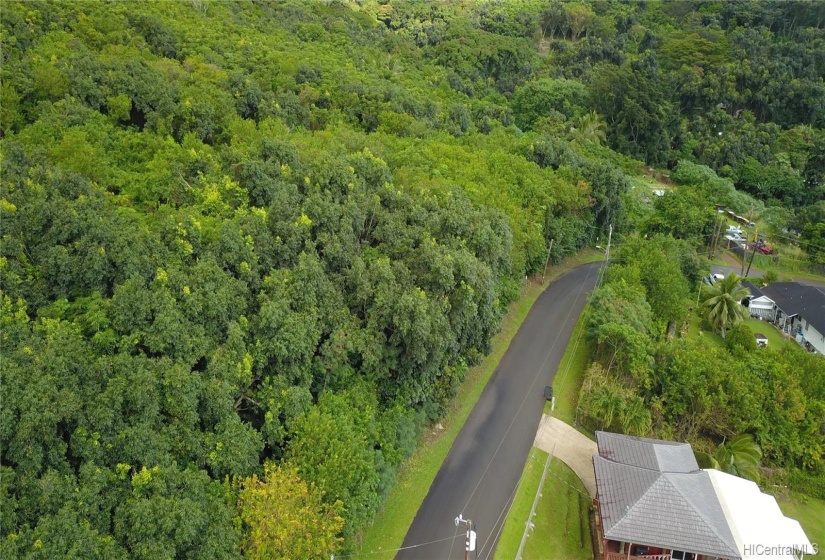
{"x": 250, "y": 248}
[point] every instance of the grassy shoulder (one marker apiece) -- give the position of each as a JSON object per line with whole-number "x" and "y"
{"x": 810, "y": 512}
{"x": 787, "y": 268}
{"x": 522, "y": 503}
{"x": 568, "y": 379}
{"x": 562, "y": 522}
{"x": 386, "y": 534}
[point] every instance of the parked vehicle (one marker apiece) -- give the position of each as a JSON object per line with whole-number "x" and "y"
{"x": 763, "y": 248}
{"x": 713, "y": 278}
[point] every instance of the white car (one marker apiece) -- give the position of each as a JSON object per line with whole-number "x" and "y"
{"x": 713, "y": 278}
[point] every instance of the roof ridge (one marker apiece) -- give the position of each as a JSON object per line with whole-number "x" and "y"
{"x": 657, "y": 471}
{"x": 731, "y": 552}
{"x": 701, "y": 514}
{"x": 632, "y": 506}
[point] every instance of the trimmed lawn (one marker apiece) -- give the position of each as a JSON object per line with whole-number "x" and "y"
{"x": 697, "y": 332}
{"x": 386, "y": 534}
{"x": 522, "y": 502}
{"x": 775, "y": 338}
{"x": 810, "y": 512}
{"x": 562, "y": 519}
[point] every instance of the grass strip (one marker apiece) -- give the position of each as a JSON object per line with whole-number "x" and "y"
{"x": 810, "y": 513}
{"x": 386, "y": 534}
{"x": 568, "y": 380}
{"x": 522, "y": 503}
{"x": 562, "y": 522}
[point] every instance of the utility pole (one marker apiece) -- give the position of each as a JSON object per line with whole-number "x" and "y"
{"x": 603, "y": 270}
{"x": 717, "y": 232}
{"x": 753, "y": 254}
{"x": 470, "y": 542}
{"x": 747, "y": 241}
{"x": 609, "y": 237}
{"x": 744, "y": 257}
{"x": 546, "y": 262}
{"x": 467, "y": 543}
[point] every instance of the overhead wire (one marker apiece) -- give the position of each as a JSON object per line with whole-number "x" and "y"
{"x": 389, "y": 550}
{"x": 526, "y": 396}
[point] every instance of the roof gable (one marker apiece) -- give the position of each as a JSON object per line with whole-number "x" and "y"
{"x": 755, "y": 292}
{"x": 652, "y": 492}
{"x": 672, "y": 514}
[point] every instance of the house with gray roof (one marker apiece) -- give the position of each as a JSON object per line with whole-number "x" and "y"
{"x": 758, "y": 304}
{"x": 653, "y": 502}
{"x": 800, "y": 311}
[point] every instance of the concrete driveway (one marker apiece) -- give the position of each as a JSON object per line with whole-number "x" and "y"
{"x": 575, "y": 449}
{"x": 481, "y": 472}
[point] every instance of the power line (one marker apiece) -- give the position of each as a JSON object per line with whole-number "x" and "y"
{"x": 353, "y": 555}
{"x": 529, "y": 391}
{"x": 799, "y": 241}
{"x": 570, "y": 358}
{"x": 452, "y": 544}
{"x": 506, "y": 507}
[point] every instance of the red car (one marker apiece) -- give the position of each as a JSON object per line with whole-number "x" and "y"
{"x": 763, "y": 248}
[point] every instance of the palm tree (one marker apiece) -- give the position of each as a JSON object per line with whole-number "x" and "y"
{"x": 740, "y": 456}
{"x": 589, "y": 128}
{"x": 606, "y": 404}
{"x": 722, "y": 303}
{"x": 635, "y": 417}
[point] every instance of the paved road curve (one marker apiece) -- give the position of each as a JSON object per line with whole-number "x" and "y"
{"x": 759, "y": 274}
{"x": 481, "y": 471}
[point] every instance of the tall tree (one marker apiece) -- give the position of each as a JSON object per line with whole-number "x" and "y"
{"x": 588, "y": 129}
{"x": 739, "y": 456}
{"x": 284, "y": 517}
{"x": 723, "y": 308}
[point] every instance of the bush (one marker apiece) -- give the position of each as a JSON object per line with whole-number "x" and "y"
{"x": 741, "y": 336}
{"x": 807, "y": 483}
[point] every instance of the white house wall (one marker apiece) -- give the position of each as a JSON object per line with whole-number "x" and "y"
{"x": 813, "y": 336}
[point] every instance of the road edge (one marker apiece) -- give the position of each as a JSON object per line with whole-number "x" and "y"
{"x": 383, "y": 538}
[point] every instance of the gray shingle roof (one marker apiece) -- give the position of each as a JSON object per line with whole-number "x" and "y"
{"x": 654, "y": 454}
{"x": 795, "y": 299}
{"x": 755, "y": 292}
{"x": 652, "y": 492}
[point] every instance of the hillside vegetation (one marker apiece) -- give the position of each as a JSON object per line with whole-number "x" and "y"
{"x": 249, "y": 249}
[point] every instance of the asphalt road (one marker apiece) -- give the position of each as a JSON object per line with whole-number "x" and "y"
{"x": 758, "y": 274}
{"x": 480, "y": 474}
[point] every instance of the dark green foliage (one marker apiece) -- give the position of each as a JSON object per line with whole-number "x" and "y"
{"x": 698, "y": 390}
{"x": 741, "y": 336}
{"x": 536, "y": 99}
{"x": 684, "y": 214}
{"x": 238, "y": 233}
